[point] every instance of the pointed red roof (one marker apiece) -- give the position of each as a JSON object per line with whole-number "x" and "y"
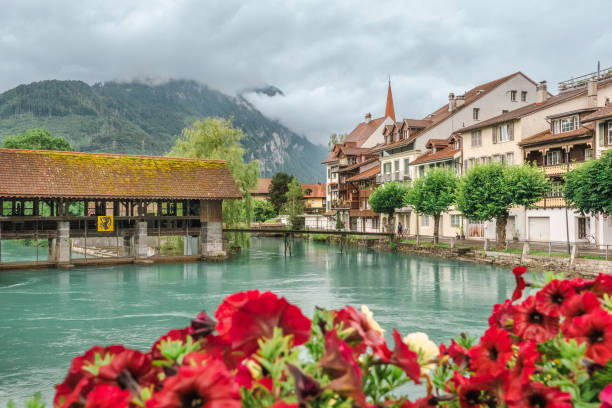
{"x": 389, "y": 110}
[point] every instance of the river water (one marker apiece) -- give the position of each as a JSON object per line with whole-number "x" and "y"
{"x": 49, "y": 316}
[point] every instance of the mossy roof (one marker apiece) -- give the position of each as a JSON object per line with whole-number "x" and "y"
{"x": 53, "y": 174}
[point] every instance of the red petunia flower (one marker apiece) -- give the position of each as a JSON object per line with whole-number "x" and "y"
{"x": 130, "y": 370}
{"x": 577, "y": 306}
{"x": 606, "y": 397}
{"x": 108, "y": 396}
{"x": 202, "y": 326}
{"x": 595, "y": 329}
{"x": 502, "y": 316}
{"x": 207, "y": 386}
{"x": 77, "y": 373}
{"x": 365, "y": 334}
{"x": 531, "y": 324}
{"x": 338, "y": 362}
{"x": 580, "y": 284}
{"x": 524, "y": 366}
{"x": 518, "y": 272}
{"x": 306, "y": 387}
{"x": 550, "y": 299}
{"x": 602, "y": 285}
{"x": 246, "y": 317}
{"x": 459, "y": 354}
{"x": 535, "y": 394}
{"x": 478, "y": 390}
{"x": 172, "y": 335}
{"x": 492, "y": 353}
{"x": 405, "y": 358}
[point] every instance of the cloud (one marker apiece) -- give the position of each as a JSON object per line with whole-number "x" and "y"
{"x": 331, "y": 59}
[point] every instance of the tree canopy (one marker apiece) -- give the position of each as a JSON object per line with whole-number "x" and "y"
{"x": 294, "y": 205}
{"x": 37, "y": 139}
{"x": 263, "y": 210}
{"x": 217, "y": 138}
{"x": 334, "y": 139}
{"x": 277, "y": 194}
{"x": 387, "y": 198}
{"x": 488, "y": 192}
{"x": 433, "y": 194}
{"x": 588, "y": 188}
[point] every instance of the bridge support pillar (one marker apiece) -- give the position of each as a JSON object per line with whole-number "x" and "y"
{"x": 140, "y": 241}
{"x": 51, "y": 243}
{"x": 211, "y": 239}
{"x": 62, "y": 244}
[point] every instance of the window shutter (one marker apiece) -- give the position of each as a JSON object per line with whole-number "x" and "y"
{"x": 494, "y": 134}
{"x": 511, "y": 131}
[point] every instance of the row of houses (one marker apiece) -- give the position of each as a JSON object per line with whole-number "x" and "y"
{"x": 314, "y": 195}
{"x": 510, "y": 120}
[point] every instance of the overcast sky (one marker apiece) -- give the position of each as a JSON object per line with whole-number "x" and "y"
{"x": 330, "y": 58}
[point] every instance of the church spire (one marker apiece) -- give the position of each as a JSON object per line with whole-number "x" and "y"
{"x": 389, "y": 110}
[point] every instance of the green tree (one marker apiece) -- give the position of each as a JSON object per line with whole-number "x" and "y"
{"x": 588, "y": 188}
{"x": 294, "y": 205}
{"x": 277, "y": 193}
{"x": 387, "y": 198}
{"x": 37, "y": 139}
{"x": 488, "y": 192}
{"x": 217, "y": 138}
{"x": 433, "y": 195}
{"x": 334, "y": 139}
{"x": 263, "y": 210}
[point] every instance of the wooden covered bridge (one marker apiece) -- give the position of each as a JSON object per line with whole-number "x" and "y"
{"x": 63, "y": 195}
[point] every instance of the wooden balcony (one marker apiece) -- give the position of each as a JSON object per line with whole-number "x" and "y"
{"x": 558, "y": 169}
{"x": 551, "y": 202}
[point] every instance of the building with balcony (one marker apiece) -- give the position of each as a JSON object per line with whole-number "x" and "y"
{"x": 314, "y": 198}
{"x": 361, "y": 185}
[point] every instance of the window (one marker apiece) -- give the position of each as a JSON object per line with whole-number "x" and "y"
{"x": 513, "y": 96}
{"x": 406, "y": 166}
{"x": 610, "y": 133}
{"x": 475, "y": 112}
{"x": 556, "y": 188}
{"x": 476, "y": 138}
{"x": 583, "y": 227}
{"x": 588, "y": 153}
{"x": 503, "y": 133}
{"x": 523, "y": 96}
{"x": 425, "y": 220}
{"x": 387, "y": 168}
{"x": 509, "y": 159}
{"x": 421, "y": 171}
{"x": 397, "y": 169}
{"x": 553, "y": 157}
{"x": 328, "y": 173}
{"x": 565, "y": 124}
{"x": 455, "y": 220}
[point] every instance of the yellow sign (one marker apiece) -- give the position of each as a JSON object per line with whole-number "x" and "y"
{"x": 105, "y": 223}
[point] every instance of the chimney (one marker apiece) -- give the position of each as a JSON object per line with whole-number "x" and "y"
{"x": 459, "y": 100}
{"x": 541, "y": 92}
{"x": 452, "y": 104}
{"x": 368, "y": 117}
{"x": 592, "y": 93}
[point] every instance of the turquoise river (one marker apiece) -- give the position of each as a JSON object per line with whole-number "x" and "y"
{"x": 49, "y": 316}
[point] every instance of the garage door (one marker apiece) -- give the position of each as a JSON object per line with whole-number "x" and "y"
{"x": 539, "y": 228}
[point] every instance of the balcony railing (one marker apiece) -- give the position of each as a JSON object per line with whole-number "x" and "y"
{"x": 387, "y": 177}
{"x": 551, "y": 202}
{"x": 557, "y": 169}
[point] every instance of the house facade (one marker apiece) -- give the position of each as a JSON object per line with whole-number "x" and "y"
{"x": 314, "y": 198}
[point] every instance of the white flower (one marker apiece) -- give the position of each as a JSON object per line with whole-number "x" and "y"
{"x": 370, "y": 319}
{"x": 425, "y": 348}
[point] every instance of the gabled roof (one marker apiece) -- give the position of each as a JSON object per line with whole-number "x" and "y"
{"x": 331, "y": 157}
{"x": 262, "y": 187}
{"x": 366, "y": 174}
{"x": 534, "y": 107}
{"x": 601, "y": 113}
{"x": 53, "y": 174}
{"x": 316, "y": 190}
{"x": 357, "y": 165}
{"x": 417, "y": 123}
{"x": 443, "y": 113}
{"x": 363, "y": 131}
{"x": 548, "y": 137}
{"x": 444, "y": 154}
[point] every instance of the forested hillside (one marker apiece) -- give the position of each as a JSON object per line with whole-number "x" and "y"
{"x": 142, "y": 118}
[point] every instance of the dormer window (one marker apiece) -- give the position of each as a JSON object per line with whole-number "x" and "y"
{"x": 565, "y": 124}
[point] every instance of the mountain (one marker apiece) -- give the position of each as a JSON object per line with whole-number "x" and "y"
{"x": 145, "y": 118}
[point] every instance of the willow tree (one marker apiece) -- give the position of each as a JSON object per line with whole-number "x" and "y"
{"x": 217, "y": 138}
{"x": 489, "y": 192}
{"x": 433, "y": 194}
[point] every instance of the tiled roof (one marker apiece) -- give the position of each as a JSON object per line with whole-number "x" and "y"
{"x": 353, "y": 151}
{"x": 417, "y": 123}
{"x": 601, "y": 113}
{"x": 364, "y": 175}
{"x": 437, "y": 142}
{"x": 443, "y": 113}
{"x": 42, "y": 173}
{"x": 331, "y": 157}
{"x": 546, "y": 136}
{"x": 447, "y": 153}
{"x": 534, "y": 107}
{"x": 316, "y": 190}
{"x": 363, "y": 131}
{"x": 356, "y": 165}
{"x": 262, "y": 187}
